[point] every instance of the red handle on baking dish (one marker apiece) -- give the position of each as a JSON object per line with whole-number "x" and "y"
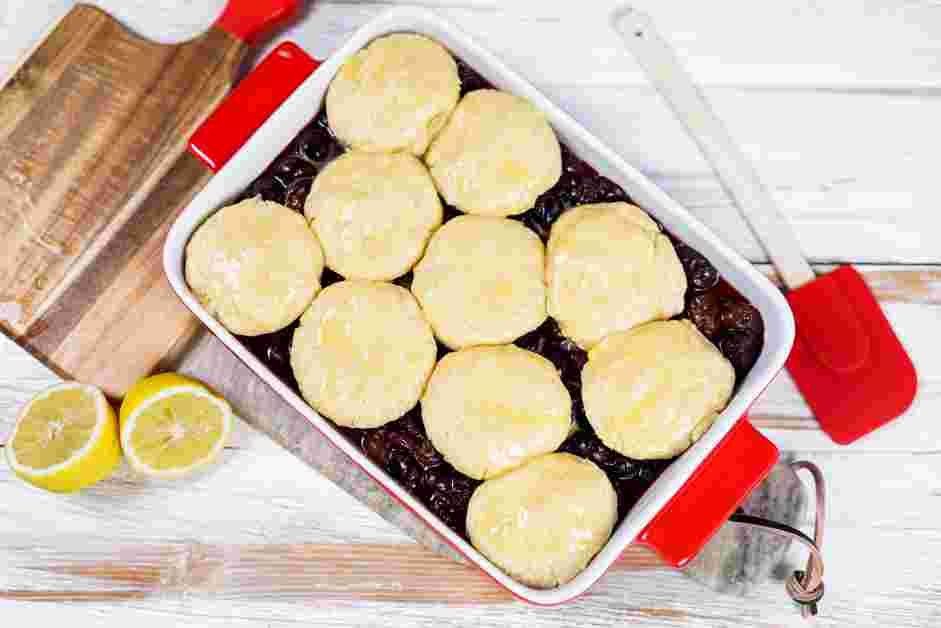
{"x": 247, "y": 19}
{"x": 728, "y": 474}
{"x": 252, "y": 101}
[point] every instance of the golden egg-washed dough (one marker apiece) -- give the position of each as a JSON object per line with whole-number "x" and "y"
{"x": 255, "y": 266}
{"x": 363, "y": 353}
{"x": 489, "y": 409}
{"x": 496, "y": 155}
{"x": 393, "y": 95}
{"x": 543, "y": 522}
{"x": 482, "y": 281}
{"x": 653, "y": 391}
{"x": 373, "y": 213}
{"x": 609, "y": 268}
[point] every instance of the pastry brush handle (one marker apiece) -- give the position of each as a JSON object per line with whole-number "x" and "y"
{"x": 735, "y": 171}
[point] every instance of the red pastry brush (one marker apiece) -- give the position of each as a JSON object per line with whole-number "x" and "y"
{"x": 847, "y": 362}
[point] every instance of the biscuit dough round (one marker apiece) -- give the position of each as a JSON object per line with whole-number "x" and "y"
{"x": 496, "y": 155}
{"x": 543, "y": 522}
{"x": 489, "y": 409}
{"x": 482, "y": 281}
{"x": 395, "y": 94}
{"x": 609, "y": 268}
{"x": 255, "y": 266}
{"x": 653, "y": 391}
{"x": 373, "y": 213}
{"x": 363, "y": 353}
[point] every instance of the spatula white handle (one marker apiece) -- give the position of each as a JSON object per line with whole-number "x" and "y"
{"x": 733, "y": 168}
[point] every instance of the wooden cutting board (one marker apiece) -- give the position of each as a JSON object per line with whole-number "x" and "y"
{"x": 90, "y": 122}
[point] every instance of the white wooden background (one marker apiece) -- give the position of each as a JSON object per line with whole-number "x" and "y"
{"x": 838, "y": 102}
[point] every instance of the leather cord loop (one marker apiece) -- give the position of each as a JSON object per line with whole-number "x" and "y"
{"x": 804, "y": 587}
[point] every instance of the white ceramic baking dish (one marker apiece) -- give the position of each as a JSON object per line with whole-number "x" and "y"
{"x": 697, "y": 493}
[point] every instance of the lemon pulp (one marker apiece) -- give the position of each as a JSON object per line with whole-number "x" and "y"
{"x": 177, "y": 431}
{"x": 66, "y": 438}
{"x": 171, "y": 425}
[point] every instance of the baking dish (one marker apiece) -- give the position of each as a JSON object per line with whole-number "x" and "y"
{"x": 696, "y": 493}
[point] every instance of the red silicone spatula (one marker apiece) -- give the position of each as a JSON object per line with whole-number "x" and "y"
{"x": 847, "y": 361}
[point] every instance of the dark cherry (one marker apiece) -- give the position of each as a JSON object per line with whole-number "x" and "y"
{"x": 374, "y": 444}
{"x": 700, "y": 273}
{"x": 575, "y": 187}
{"x": 405, "y": 470}
{"x": 532, "y": 220}
{"x": 598, "y": 189}
{"x": 703, "y": 311}
{"x": 537, "y": 340}
{"x": 329, "y": 277}
{"x": 450, "y": 211}
{"x": 268, "y": 188}
{"x": 317, "y": 144}
{"x": 549, "y": 206}
{"x": 576, "y": 356}
{"x": 405, "y": 280}
{"x": 400, "y": 440}
{"x": 737, "y": 315}
{"x": 574, "y": 165}
{"x": 578, "y": 409}
{"x": 410, "y": 423}
{"x": 274, "y": 350}
{"x": 289, "y": 168}
{"x": 741, "y": 349}
{"x": 426, "y": 455}
{"x": 452, "y": 512}
{"x": 448, "y": 493}
{"x": 297, "y": 193}
{"x": 471, "y": 80}
{"x": 629, "y": 493}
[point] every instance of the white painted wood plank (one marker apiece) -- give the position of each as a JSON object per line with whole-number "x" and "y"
{"x": 888, "y": 586}
{"x": 789, "y": 43}
{"x": 890, "y": 44}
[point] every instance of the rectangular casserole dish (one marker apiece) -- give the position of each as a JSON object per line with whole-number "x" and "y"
{"x": 695, "y": 495}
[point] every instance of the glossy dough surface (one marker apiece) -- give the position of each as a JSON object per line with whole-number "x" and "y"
{"x": 255, "y": 266}
{"x": 393, "y": 95}
{"x": 609, "y": 268}
{"x": 489, "y": 409}
{"x": 543, "y": 522}
{"x": 496, "y": 155}
{"x": 363, "y": 353}
{"x": 481, "y": 281}
{"x": 653, "y": 391}
{"x": 373, "y": 213}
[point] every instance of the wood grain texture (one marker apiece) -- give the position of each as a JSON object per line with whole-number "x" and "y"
{"x": 89, "y": 124}
{"x": 367, "y": 572}
{"x": 842, "y": 133}
{"x": 283, "y": 580}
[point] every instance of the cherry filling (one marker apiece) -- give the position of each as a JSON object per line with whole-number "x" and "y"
{"x": 401, "y": 447}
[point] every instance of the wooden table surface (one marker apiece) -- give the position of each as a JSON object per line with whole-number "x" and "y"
{"x": 838, "y": 104}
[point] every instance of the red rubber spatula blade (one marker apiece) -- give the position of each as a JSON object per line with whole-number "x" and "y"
{"x": 847, "y": 361}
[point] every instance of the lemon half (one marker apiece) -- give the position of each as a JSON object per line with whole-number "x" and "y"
{"x": 173, "y": 425}
{"x": 65, "y": 438}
